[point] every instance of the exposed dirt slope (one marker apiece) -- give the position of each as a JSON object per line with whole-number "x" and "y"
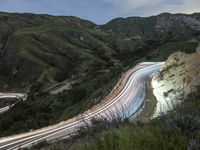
{"x": 179, "y": 77}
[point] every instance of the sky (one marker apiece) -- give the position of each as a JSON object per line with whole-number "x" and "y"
{"x": 100, "y": 11}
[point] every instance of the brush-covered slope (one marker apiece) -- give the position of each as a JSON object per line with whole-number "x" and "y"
{"x": 158, "y": 27}
{"x": 163, "y": 34}
{"x": 49, "y": 49}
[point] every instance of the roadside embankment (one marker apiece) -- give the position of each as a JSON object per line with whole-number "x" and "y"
{"x": 177, "y": 79}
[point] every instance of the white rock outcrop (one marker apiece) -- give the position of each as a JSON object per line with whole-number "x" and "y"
{"x": 179, "y": 76}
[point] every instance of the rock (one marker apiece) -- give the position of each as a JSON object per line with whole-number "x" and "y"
{"x": 198, "y": 49}
{"x": 179, "y": 74}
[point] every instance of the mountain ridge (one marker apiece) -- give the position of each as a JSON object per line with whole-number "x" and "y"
{"x": 59, "y": 47}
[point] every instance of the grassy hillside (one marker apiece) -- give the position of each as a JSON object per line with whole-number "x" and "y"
{"x": 48, "y": 49}
{"x": 51, "y": 51}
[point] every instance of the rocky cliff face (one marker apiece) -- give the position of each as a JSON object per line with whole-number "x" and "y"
{"x": 179, "y": 77}
{"x": 166, "y": 22}
{"x": 160, "y": 27}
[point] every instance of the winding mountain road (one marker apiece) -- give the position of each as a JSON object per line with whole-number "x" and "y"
{"x": 18, "y": 96}
{"x": 126, "y": 104}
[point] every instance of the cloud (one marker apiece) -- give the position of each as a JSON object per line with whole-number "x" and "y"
{"x": 126, "y": 6}
{"x": 187, "y": 6}
{"x": 151, "y": 7}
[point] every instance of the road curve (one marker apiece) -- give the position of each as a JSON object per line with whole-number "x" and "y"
{"x": 18, "y": 96}
{"x": 125, "y": 104}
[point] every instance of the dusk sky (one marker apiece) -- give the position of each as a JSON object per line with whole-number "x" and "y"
{"x": 101, "y": 11}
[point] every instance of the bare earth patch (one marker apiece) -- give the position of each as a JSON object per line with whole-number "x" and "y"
{"x": 149, "y": 105}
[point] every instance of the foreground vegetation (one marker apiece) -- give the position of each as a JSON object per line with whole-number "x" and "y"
{"x": 179, "y": 130}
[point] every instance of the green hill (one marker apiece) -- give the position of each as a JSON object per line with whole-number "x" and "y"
{"x": 50, "y": 49}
